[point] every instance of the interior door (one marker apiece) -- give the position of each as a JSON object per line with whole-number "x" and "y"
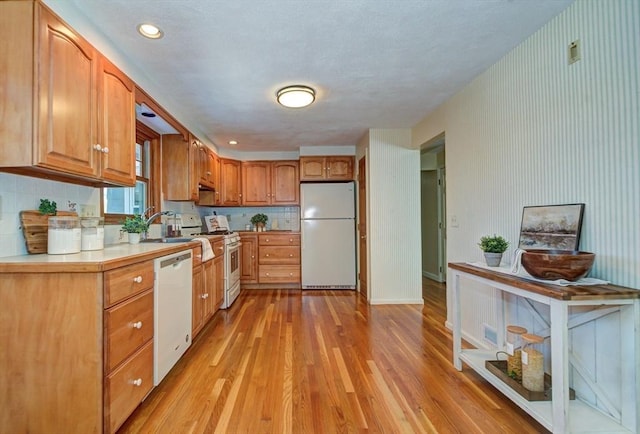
{"x": 362, "y": 227}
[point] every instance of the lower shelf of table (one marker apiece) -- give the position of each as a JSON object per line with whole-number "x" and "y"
{"x": 582, "y": 417}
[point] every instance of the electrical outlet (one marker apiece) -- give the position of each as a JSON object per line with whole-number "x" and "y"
{"x": 87, "y": 210}
{"x": 454, "y": 221}
{"x": 490, "y": 334}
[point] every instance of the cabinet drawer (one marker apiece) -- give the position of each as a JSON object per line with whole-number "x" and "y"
{"x": 127, "y": 327}
{"x": 279, "y": 255}
{"x": 124, "y": 282}
{"x": 279, "y": 239}
{"x": 279, "y": 274}
{"x": 127, "y": 386}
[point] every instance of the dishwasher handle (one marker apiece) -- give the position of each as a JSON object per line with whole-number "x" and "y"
{"x": 175, "y": 260}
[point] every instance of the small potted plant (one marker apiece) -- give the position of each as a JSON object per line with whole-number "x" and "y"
{"x": 493, "y": 248}
{"x": 259, "y": 221}
{"x": 48, "y": 207}
{"x": 135, "y": 226}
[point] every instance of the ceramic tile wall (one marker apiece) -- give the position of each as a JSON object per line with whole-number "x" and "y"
{"x": 288, "y": 218}
{"x": 19, "y": 193}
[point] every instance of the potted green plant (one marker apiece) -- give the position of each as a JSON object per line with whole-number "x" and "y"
{"x": 259, "y": 221}
{"x": 135, "y": 226}
{"x": 493, "y": 248}
{"x": 48, "y": 207}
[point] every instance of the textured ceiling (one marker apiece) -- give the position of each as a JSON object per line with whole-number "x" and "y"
{"x": 373, "y": 63}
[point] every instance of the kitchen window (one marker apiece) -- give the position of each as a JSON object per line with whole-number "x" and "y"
{"x": 118, "y": 202}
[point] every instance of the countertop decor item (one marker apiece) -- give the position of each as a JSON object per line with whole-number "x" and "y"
{"x": 493, "y": 248}
{"x": 557, "y": 264}
{"x": 259, "y": 221}
{"x": 134, "y": 226}
{"x": 549, "y": 227}
{"x": 35, "y": 228}
{"x": 47, "y": 207}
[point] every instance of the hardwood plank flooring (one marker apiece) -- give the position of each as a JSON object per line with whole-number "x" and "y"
{"x": 290, "y": 361}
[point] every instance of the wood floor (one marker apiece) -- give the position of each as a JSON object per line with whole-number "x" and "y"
{"x": 325, "y": 362}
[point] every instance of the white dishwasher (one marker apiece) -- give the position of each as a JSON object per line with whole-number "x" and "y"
{"x": 172, "y": 311}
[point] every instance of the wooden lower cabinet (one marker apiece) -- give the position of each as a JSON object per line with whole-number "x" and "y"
{"x": 249, "y": 258}
{"x": 128, "y": 341}
{"x": 204, "y": 296}
{"x": 278, "y": 258}
{"x": 77, "y": 347}
{"x": 127, "y": 386}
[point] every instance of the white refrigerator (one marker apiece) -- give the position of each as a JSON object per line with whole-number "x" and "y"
{"x": 327, "y": 223}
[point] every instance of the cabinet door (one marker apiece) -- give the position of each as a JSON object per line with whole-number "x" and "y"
{"x": 213, "y": 169}
{"x": 67, "y": 112}
{"x": 197, "y": 305}
{"x": 248, "y": 259}
{"x": 256, "y": 183}
{"x": 285, "y": 183}
{"x": 178, "y": 181}
{"x": 202, "y": 164}
{"x": 210, "y": 286}
{"x": 312, "y": 168}
{"x": 231, "y": 182}
{"x": 218, "y": 263}
{"x": 339, "y": 168}
{"x": 116, "y": 100}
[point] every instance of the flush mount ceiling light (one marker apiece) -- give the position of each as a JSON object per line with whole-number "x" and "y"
{"x": 296, "y": 96}
{"x": 150, "y": 31}
{"x": 233, "y": 142}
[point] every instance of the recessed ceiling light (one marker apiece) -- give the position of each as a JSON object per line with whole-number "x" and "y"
{"x": 233, "y": 142}
{"x": 150, "y": 31}
{"x": 297, "y": 96}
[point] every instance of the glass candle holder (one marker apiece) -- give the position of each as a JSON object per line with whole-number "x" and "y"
{"x": 514, "y": 351}
{"x": 532, "y": 363}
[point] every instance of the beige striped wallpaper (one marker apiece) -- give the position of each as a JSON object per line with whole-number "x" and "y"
{"x": 535, "y": 130}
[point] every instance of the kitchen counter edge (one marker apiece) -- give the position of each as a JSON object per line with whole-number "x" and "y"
{"x": 110, "y": 257}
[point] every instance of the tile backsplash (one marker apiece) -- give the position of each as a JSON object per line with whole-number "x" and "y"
{"x": 18, "y": 193}
{"x": 286, "y": 218}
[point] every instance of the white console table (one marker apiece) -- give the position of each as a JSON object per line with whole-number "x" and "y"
{"x": 560, "y": 415}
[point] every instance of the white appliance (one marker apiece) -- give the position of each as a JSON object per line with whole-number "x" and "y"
{"x": 172, "y": 314}
{"x": 191, "y": 225}
{"x": 328, "y": 235}
{"x": 218, "y": 224}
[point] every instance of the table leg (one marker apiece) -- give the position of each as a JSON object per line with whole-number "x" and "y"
{"x": 457, "y": 334}
{"x": 560, "y": 366}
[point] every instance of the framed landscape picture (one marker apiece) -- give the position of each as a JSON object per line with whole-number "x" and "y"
{"x": 552, "y": 227}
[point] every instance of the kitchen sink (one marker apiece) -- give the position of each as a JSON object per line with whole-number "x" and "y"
{"x": 167, "y": 240}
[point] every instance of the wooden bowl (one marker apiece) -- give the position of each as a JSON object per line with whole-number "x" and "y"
{"x": 557, "y": 264}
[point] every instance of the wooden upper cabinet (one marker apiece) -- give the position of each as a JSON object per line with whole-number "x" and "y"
{"x": 327, "y": 168}
{"x": 67, "y": 110}
{"x": 270, "y": 183}
{"x": 116, "y": 131}
{"x": 256, "y": 183}
{"x": 285, "y": 183}
{"x": 179, "y": 177}
{"x": 230, "y": 182}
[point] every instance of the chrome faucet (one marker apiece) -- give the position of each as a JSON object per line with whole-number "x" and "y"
{"x": 153, "y": 216}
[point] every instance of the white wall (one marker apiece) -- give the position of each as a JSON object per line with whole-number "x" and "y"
{"x": 534, "y": 130}
{"x": 394, "y": 218}
{"x": 18, "y": 193}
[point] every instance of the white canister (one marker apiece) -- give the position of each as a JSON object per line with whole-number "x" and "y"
{"x": 64, "y": 235}
{"x": 92, "y": 233}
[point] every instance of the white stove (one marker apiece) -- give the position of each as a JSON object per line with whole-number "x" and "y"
{"x": 191, "y": 226}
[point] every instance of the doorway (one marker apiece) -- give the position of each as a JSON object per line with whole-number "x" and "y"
{"x": 362, "y": 227}
{"x": 433, "y": 210}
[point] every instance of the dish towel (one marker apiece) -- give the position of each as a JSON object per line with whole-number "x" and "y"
{"x": 207, "y": 251}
